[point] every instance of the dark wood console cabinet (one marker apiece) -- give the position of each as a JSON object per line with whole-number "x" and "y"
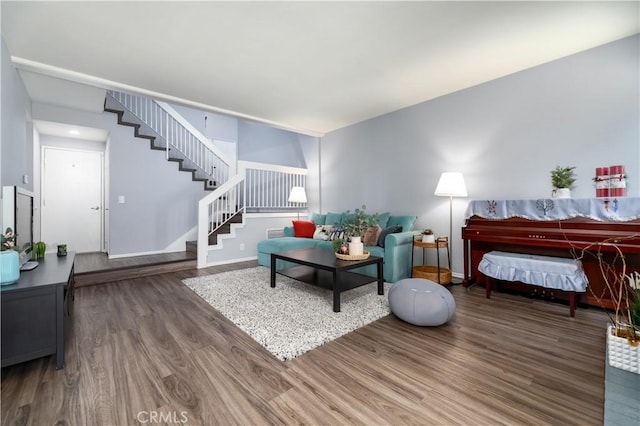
{"x": 36, "y": 309}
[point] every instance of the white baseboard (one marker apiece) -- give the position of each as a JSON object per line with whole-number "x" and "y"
{"x": 146, "y": 253}
{"x": 229, "y": 261}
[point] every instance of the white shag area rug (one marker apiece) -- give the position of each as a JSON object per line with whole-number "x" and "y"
{"x": 293, "y": 317}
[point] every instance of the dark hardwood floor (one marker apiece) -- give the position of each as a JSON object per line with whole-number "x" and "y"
{"x": 149, "y": 351}
{"x": 94, "y": 262}
{"x": 97, "y": 268}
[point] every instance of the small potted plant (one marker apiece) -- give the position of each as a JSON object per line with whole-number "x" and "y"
{"x": 562, "y": 179}
{"x": 428, "y": 237}
{"x": 355, "y": 226}
{"x": 358, "y": 223}
{"x": 621, "y": 300}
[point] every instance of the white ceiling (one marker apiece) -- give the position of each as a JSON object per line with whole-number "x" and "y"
{"x": 312, "y": 67}
{"x": 70, "y": 132}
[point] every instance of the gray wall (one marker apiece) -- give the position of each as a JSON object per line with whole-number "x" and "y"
{"x": 160, "y": 201}
{"x": 16, "y": 147}
{"x": 257, "y": 142}
{"x": 504, "y": 135}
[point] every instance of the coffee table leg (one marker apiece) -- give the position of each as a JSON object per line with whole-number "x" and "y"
{"x": 380, "y": 279}
{"x": 273, "y": 271}
{"x": 336, "y": 292}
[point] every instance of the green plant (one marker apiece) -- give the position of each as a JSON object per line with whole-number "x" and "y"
{"x": 562, "y": 177}
{"x": 357, "y": 223}
{"x": 633, "y": 281}
{"x": 621, "y": 294}
{"x": 39, "y": 249}
{"x": 8, "y": 240}
{"x": 335, "y": 244}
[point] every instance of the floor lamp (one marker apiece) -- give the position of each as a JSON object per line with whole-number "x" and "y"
{"x": 297, "y": 195}
{"x": 451, "y": 184}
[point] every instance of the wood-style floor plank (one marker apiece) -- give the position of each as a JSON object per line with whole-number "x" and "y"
{"x": 150, "y": 346}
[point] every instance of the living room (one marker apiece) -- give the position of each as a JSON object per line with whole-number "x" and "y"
{"x": 504, "y": 134}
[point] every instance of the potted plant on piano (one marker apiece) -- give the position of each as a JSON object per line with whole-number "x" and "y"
{"x": 622, "y": 287}
{"x": 562, "y": 179}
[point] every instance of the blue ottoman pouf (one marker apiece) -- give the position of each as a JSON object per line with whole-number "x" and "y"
{"x": 421, "y": 302}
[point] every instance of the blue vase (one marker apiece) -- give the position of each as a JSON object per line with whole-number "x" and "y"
{"x": 9, "y": 267}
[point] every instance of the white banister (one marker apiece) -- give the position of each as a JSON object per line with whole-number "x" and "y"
{"x": 179, "y": 135}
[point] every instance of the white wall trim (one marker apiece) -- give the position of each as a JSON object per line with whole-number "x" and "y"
{"x": 53, "y": 71}
{"x": 227, "y": 262}
{"x": 145, "y": 253}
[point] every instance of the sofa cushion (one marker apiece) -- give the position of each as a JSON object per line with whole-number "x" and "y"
{"x": 276, "y": 245}
{"x": 304, "y": 228}
{"x": 405, "y": 221}
{"x": 333, "y": 219}
{"x": 317, "y": 218}
{"x": 383, "y": 219}
{"x": 393, "y": 229}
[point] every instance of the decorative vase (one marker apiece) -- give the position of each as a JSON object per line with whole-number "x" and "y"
{"x": 9, "y": 267}
{"x": 355, "y": 246}
{"x": 621, "y": 353}
{"x": 561, "y": 193}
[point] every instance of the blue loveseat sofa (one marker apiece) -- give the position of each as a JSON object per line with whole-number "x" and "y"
{"x": 396, "y": 252}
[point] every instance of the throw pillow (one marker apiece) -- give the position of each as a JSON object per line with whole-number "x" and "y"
{"x": 304, "y": 228}
{"x": 320, "y": 233}
{"x": 393, "y": 229}
{"x": 337, "y": 233}
{"x": 372, "y": 235}
{"x": 405, "y": 221}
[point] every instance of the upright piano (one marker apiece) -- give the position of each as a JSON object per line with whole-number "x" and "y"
{"x": 570, "y": 228}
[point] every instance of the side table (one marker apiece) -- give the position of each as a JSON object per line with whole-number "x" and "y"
{"x": 430, "y": 272}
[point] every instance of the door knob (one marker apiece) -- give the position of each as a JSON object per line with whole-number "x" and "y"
{"x": 95, "y": 208}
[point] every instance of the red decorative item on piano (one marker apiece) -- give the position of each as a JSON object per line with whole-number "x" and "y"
{"x": 617, "y": 182}
{"x": 610, "y": 181}
{"x": 602, "y": 181}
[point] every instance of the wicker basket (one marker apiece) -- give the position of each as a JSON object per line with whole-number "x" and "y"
{"x": 362, "y": 256}
{"x": 431, "y": 273}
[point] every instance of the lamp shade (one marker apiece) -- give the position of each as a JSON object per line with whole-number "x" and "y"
{"x": 451, "y": 184}
{"x": 297, "y": 195}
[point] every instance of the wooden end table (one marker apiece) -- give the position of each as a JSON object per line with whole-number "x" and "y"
{"x": 441, "y": 242}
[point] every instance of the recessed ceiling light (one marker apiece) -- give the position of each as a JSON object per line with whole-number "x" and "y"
{"x": 74, "y": 132}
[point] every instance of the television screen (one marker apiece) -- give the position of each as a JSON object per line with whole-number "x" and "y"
{"x": 17, "y": 214}
{"x": 24, "y": 219}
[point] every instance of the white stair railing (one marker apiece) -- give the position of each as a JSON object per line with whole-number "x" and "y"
{"x": 181, "y": 140}
{"x": 216, "y": 209}
{"x": 259, "y": 186}
{"x": 268, "y": 185}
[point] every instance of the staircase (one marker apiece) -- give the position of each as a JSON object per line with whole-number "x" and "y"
{"x": 233, "y": 189}
{"x": 167, "y": 131}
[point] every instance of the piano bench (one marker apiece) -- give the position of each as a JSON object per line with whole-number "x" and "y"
{"x": 543, "y": 271}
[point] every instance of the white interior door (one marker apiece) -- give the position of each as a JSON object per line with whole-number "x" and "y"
{"x": 72, "y": 194}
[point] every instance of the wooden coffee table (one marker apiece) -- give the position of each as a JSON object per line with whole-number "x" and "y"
{"x": 320, "y": 267}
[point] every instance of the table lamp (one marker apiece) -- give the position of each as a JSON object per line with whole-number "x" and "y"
{"x": 297, "y": 195}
